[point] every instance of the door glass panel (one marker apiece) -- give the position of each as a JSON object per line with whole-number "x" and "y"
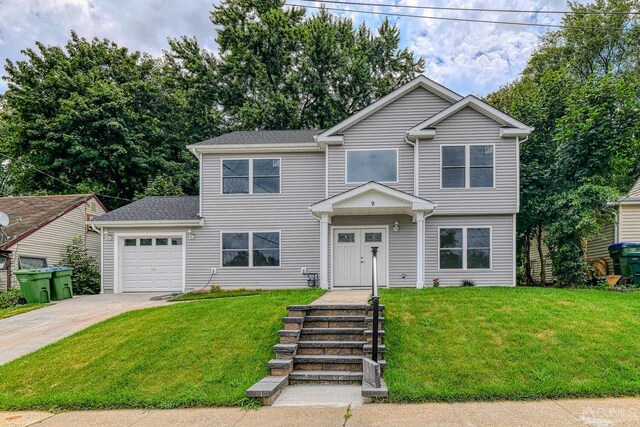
{"x": 162, "y": 242}
{"x": 346, "y": 237}
{"x": 129, "y": 242}
{"x": 145, "y": 242}
{"x": 176, "y": 241}
{"x": 373, "y": 237}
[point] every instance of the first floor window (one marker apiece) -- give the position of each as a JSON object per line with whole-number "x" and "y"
{"x": 465, "y": 248}
{"x": 266, "y": 249}
{"x": 32, "y": 262}
{"x": 255, "y": 249}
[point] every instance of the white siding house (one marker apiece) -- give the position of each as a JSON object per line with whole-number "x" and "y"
{"x": 429, "y": 177}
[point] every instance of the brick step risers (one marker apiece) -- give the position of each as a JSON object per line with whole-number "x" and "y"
{"x": 334, "y": 321}
{"x": 355, "y": 348}
{"x": 329, "y": 310}
{"x": 332, "y": 334}
{"x": 325, "y": 377}
{"x": 329, "y": 363}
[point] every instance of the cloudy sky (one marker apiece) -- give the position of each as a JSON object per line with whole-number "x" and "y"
{"x": 468, "y": 57}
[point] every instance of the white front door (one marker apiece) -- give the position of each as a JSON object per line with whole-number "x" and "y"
{"x": 352, "y": 257}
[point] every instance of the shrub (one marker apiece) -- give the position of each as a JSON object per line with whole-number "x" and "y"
{"x": 11, "y": 298}
{"x": 86, "y": 273}
{"x": 467, "y": 282}
{"x": 215, "y": 288}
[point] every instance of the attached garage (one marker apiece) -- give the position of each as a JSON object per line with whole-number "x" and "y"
{"x": 145, "y": 244}
{"x": 152, "y": 263}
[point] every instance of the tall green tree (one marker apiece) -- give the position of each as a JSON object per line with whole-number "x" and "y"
{"x": 580, "y": 91}
{"x": 279, "y": 69}
{"x": 93, "y": 115}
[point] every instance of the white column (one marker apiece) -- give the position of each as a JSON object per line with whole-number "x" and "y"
{"x": 420, "y": 249}
{"x": 324, "y": 251}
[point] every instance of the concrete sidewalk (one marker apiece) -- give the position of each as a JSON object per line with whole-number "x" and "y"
{"x": 27, "y": 332}
{"x": 570, "y": 412}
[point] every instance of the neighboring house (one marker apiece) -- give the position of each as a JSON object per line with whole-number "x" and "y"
{"x": 40, "y": 228}
{"x": 428, "y": 176}
{"x": 626, "y": 229}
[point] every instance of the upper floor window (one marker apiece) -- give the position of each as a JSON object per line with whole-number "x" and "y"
{"x": 467, "y": 166}
{"x": 372, "y": 165}
{"x": 249, "y": 176}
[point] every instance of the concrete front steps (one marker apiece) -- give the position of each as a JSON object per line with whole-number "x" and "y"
{"x": 323, "y": 344}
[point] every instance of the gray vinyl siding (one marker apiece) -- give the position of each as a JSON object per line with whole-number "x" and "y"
{"x": 470, "y": 127}
{"x": 386, "y": 129}
{"x": 502, "y": 236}
{"x": 109, "y": 245}
{"x": 302, "y": 184}
{"x": 599, "y": 246}
{"x": 401, "y": 246}
{"x": 630, "y": 223}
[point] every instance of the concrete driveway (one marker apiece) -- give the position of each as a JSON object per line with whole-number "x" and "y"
{"x": 27, "y": 332}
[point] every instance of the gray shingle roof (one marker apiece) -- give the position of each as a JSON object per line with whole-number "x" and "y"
{"x": 264, "y": 137}
{"x": 635, "y": 190}
{"x": 156, "y": 208}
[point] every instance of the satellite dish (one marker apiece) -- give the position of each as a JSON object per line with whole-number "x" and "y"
{"x": 4, "y": 219}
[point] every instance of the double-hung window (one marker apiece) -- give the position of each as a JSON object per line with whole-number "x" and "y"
{"x": 465, "y": 248}
{"x": 251, "y": 249}
{"x": 372, "y": 165}
{"x": 467, "y": 166}
{"x": 250, "y": 176}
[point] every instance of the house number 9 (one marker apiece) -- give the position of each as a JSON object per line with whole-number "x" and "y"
{"x": 373, "y": 203}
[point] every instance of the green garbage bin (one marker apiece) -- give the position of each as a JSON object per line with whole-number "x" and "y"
{"x": 626, "y": 260}
{"x": 34, "y": 285}
{"x": 60, "y": 282}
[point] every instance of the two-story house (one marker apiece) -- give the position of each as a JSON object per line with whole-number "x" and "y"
{"x": 429, "y": 177}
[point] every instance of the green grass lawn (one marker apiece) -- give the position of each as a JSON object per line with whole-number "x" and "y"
{"x": 215, "y": 295}
{"x": 19, "y": 309}
{"x": 523, "y": 343}
{"x": 202, "y": 353}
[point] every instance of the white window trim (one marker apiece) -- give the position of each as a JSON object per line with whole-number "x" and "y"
{"x": 117, "y": 253}
{"x": 31, "y": 256}
{"x": 346, "y": 165}
{"x": 250, "y": 159}
{"x": 467, "y": 166}
{"x": 250, "y": 233}
{"x": 464, "y": 248}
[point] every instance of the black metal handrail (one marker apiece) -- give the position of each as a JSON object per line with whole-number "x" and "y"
{"x": 375, "y": 300}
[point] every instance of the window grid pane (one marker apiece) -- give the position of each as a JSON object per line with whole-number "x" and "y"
{"x": 478, "y": 248}
{"x": 266, "y": 175}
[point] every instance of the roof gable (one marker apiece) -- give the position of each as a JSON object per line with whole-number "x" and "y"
{"x": 30, "y": 213}
{"x": 333, "y": 134}
{"x": 512, "y": 127}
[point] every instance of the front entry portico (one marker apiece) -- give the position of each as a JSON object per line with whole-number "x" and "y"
{"x": 350, "y": 245}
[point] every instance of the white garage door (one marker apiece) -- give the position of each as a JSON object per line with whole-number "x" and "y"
{"x": 151, "y": 264}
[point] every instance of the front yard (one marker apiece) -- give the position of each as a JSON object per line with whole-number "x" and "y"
{"x": 443, "y": 345}
{"x": 202, "y": 353}
{"x": 523, "y": 343}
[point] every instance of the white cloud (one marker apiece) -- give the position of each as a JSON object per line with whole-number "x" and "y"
{"x": 468, "y": 57}
{"x": 137, "y": 24}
